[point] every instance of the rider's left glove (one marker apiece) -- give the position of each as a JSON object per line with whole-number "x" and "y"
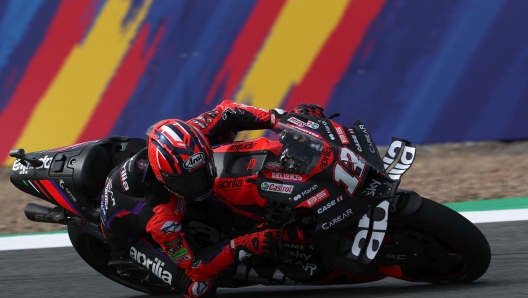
{"x": 258, "y": 243}
{"x": 308, "y": 109}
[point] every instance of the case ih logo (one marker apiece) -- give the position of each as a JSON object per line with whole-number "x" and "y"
{"x": 274, "y": 187}
{"x": 342, "y": 135}
{"x": 301, "y": 123}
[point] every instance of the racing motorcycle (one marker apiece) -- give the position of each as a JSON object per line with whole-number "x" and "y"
{"x": 343, "y": 219}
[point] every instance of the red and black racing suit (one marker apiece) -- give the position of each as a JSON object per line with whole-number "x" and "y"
{"x": 135, "y": 202}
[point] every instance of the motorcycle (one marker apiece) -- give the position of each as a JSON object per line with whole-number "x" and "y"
{"x": 343, "y": 219}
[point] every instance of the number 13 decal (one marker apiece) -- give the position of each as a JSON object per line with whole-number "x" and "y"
{"x": 342, "y": 175}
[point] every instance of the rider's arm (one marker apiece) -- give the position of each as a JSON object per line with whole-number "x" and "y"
{"x": 222, "y": 123}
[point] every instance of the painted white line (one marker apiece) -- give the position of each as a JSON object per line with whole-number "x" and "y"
{"x": 62, "y": 240}
{"x": 34, "y": 241}
{"x": 496, "y": 215}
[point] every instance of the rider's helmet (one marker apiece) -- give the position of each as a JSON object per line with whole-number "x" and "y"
{"x": 181, "y": 158}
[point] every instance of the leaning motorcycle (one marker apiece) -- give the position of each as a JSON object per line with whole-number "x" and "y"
{"x": 343, "y": 219}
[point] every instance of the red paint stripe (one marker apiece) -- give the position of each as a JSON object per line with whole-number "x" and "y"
{"x": 122, "y": 86}
{"x": 336, "y": 55}
{"x": 245, "y": 48}
{"x": 42, "y": 190}
{"x": 59, "y": 198}
{"x": 65, "y": 31}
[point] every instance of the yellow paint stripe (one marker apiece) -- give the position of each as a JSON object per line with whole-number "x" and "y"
{"x": 65, "y": 109}
{"x": 296, "y": 38}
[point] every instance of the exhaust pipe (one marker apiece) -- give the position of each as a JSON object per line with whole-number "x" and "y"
{"x": 39, "y": 213}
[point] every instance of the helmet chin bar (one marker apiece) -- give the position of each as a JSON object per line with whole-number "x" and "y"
{"x": 191, "y": 197}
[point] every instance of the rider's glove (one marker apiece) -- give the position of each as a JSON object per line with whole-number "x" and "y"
{"x": 308, "y": 109}
{"x": 276, "y": 114}
{"x": 258, "y": 243}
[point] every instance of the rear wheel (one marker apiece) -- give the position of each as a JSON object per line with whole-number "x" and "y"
{"x": 97, "y": 254}
{"x": 435, "y": 244}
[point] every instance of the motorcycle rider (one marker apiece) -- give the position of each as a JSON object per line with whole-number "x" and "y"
{"x": 150, "y": 191}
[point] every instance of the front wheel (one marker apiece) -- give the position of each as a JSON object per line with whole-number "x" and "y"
{"x": 97, "y": 254}
{"x": 435, "y": 244}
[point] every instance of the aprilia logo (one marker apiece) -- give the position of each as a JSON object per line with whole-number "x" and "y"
{"x": 274, "y": 187}
{"x": 234, "y": 183}
{"x": 155, "y": 266}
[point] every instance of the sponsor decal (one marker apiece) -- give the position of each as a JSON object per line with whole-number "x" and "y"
{"x": 286, "y": 176}
{"x": 182, "y": 259}
{"x": 328, "y": 131}
{"x": 170, "y": 227}
{"x": 123, "y": 176}
{"x": 194, "y": 161}
{"x": 179, "y": 253}
{"x": 356, "y": 141}
{"x": 342, "y": 135}
{"x": 275, "y": 187}
{"x": 109, "y": 194}
{"x": 181, "y": 206}
{"x": 103, "y": 210}
{"x": 301, "y": 123}
{"x": 327, "y": 155}
{"x": 330, "y": 204}
{"x": 394, "y": 203}
{"x": 273, "y": 166}
{"x": 251, "y": 164}
{"x": 308, "y": 267}
{"x": 307, "y": 132}
{"x": 155, "y": 266}
{"x": 309, "y": 190}
{"x": 408, "y": 153}
{"x": 371, "y": 190}
{"x": 243, "y": 146}
{"x": 318, "y": 197}
{"x": 299, "y": 255}
{"x": 199, "y": 123}
{"x": 229, "y": 184}
{"x": 367, "y": 136}
{"x": 22, "y": 169}
{"x": 63, "y": 187}
{"x": 299, "y": 246}
{"x": 173, "y": 242}
{"x": 198, "y": 289}
{"x": 340, "y": 218}
{"x": 195, "y": 263}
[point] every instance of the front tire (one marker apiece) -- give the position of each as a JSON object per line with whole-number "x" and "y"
{"x": 436, "y": 244}
{"x": 97, "y": 254}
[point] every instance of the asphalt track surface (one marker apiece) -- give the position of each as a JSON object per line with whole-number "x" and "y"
{"x": 60, "y": 272}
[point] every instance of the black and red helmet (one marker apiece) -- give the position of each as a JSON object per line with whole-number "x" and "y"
{"x": 181, "y": 158}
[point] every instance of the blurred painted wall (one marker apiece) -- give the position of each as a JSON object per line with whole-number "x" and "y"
{"x": 428, "y": 71}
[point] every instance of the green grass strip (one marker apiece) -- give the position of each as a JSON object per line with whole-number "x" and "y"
{"x": 487, "y": 205}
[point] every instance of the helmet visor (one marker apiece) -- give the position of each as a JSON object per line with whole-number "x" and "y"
{"x": 195, "y": 182}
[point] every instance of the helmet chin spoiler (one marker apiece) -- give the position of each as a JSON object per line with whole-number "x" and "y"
{"x": 192, "y": 185}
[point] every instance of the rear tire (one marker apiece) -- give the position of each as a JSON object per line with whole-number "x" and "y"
{"x": 438, "y": 245}
{"x": 97, "y": 254}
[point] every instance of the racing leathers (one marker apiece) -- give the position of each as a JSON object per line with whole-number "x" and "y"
{"x": 135, "y": 204}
